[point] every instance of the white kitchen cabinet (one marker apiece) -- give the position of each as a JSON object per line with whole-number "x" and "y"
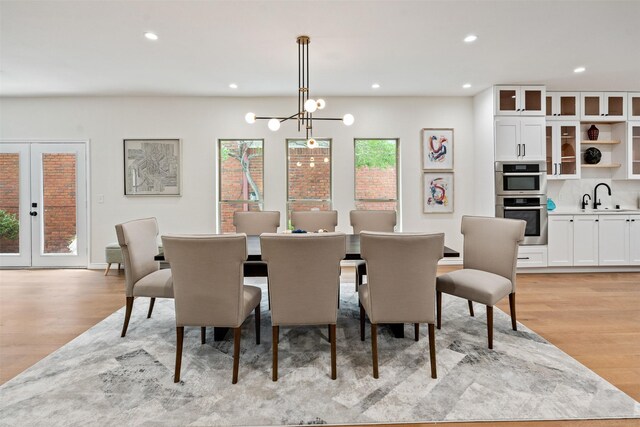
{"x": 563, "y": 150}
{"x": 634, "y": 105}
{"x": 633, "y": 151}
{"x": 603, "y": 106}
{"x": 563, "y": 105}
{"x": 519, "y": 100}
{"x": 634, "y": 239}
{"x": 520, "y": 138}
{"x": 613, "y": 239}
{"x": 585, "y": 240}
{"x": 560, "y": 248}
{"x": 532, "y": 256}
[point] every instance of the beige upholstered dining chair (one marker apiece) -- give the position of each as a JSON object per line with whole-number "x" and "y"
{"x": 401, "y": 284}
{"x": 256, "y": 223}
{"x": 314, "y": 220}
{"x": 304, "y": 277}
{"x": 370, "y": 220}
{"x": 138, "y": 241}
{"x": 208, "y": 287}
{"x": 490, "y": 256}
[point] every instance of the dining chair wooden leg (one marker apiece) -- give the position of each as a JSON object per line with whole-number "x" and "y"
{"x": 490, "y": 325}
{"x": 236, "y": 353}
{"x": 470, "y": 308}
{"x": 416, "y": 330}
{"x": 361, "y": 321}
{"x": 439, "y": 308}
{"x": 107, "y": 270}
{"x": 512, "y": 307}
{"x": 274, "y": 369}
{"x": 268, "y": 294}
{"x": 332, "y": 336}
{"x": 203, "y": 334}
{"x": 179, "y": 338}
{"x": 118, "y": 269}
{"x": 257, "y": 321}
{"x": 432, "y": 350}
{"x": 127, "y": 315}
{"x": 374, "y": 348}
{"x": 151, "y": 304}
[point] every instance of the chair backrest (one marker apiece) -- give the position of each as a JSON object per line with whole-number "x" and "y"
{"x": 208, "y": 278}
{"x": 372, "y": 220}
{"x": 491, "y": 244}
{"x": 138, "y": 241}
{"x": 401, "y": 273}
{"x": 304, "y": 276}
{"x": 256, "y": 223}
{"x": 314, "y": 220}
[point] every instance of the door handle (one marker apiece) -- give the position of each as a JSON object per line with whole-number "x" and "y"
{"x": 32, "y": 213}
{"x": 524, "y": 150}
{"x": 518, "y": 155}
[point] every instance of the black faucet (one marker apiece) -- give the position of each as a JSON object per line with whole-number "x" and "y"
{"x": 584, "y": 203}
{"x": 596, "y": 202}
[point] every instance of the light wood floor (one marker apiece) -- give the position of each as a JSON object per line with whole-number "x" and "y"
{"x": 595, "y": 318}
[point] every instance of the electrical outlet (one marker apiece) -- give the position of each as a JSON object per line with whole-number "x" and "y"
{"x": 100, "y": 198}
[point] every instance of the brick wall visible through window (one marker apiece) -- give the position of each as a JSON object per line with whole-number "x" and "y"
{"x": 376, "y": 174}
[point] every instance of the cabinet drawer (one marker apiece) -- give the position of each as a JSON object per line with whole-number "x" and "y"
{"x": 532, "y": 256}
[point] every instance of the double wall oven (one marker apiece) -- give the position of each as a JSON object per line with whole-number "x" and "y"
{"x": 521, "y": 194}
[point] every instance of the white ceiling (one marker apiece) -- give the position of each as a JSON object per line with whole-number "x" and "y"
{"x": 409, "y": 47}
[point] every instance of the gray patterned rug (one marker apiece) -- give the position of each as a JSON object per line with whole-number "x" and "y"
{"x": 102, "y": 379}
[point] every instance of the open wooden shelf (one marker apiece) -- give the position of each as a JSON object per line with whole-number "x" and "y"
{"x": 602, "y": 165}
{"x": 600, "y": 142}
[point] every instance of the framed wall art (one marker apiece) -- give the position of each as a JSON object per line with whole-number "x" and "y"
{"x": 438, "y": 192}
{"x": 152, "y": 167}
{"x": 437, "y": 149}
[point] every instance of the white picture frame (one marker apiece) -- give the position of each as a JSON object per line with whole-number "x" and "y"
{"x": 438, "y": 192}
{"x": 437, "y": 149}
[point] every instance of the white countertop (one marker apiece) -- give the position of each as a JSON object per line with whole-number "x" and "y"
{"x": 601, "y": 211}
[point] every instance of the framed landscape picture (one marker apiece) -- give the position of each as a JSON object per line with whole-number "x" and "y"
{"x": 438, "y": 192}
{"x": 437, "y": 149}
{"x": 152, "y": 167}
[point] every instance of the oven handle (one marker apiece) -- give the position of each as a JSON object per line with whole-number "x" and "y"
{"x": 510, "y": 208}
{"x": 523, "y": 173}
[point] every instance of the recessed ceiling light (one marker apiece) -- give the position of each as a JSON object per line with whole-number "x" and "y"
{"x": 375, "y": 86}
{"x": 233, "y": 86}
{"x": 466, "y": 85}
{"x": 579, "y": 70}
{"x": 470, "y": 38}
{"x": 151, "y": 36}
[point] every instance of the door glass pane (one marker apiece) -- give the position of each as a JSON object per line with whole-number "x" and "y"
{"x": 635, "y": 155}
{"x": 549, "y": 106}
{"x": 568, "y": 106}
{"x": 59, "y": 200}
{"x": 568, "y": 146}
{"x": 635, "y": 106}
{"x": 592, "y": 105}
{"x": 615, "y": 105}
{"x": 549, "y": 143}
{"x": 533, "y": 100}
{"x": 507, "y": 100}
{"x": 9, "y": 203}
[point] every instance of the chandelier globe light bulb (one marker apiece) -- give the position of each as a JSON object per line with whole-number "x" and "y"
{"x": 274, "y": 124}
{"x": 321, "y": 104}
{"x": 312, "y": 143}
{"x": 348, "y": 119}
{"x": 310, "y": 105}
{"x": 250, "y": 118}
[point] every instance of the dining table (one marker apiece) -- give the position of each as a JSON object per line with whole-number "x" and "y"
{"x": 255, "y": 267}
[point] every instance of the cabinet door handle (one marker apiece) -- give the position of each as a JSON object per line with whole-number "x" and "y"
{"x": 518, "y": 151}
{"x": 597, "y": 220}
{"x": 570, "y": 220}
{"x": 633, "y": 220}
{"x": 524, "y": 257}
{"x": 627, "y": 220}
{"x": 524, "y": 150}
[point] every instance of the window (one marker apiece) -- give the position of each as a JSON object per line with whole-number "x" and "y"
{"x": 308, "y": 176}
{"x": 376, "y": 174}
{"x": 241, "y": 179}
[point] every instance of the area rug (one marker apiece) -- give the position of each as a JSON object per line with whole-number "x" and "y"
{"x": 102, "y": 379}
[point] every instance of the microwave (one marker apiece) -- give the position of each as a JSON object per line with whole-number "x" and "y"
{"x": 520, "y": 178}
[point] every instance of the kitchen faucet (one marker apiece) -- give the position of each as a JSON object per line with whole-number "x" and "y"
{"x": 585, "y": 203}
{"x": 597, "y": 202}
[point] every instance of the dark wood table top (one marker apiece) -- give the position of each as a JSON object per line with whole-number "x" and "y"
{"x": 353, "y": 249}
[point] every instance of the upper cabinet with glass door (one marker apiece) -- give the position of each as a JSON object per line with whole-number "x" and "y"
{"x": 633, "y": 150}
{"x": 563, "y": 105}
{"x": 634, "y": 105}
{"x": 603, "y": 106}
{"x": 519, "y": 100}
{"x": 563, "y": 150}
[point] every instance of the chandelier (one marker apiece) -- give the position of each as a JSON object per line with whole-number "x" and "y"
{"x": 306, "y": 105}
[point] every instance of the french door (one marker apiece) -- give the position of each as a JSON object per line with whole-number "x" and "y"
{"x": 43, "y": 205}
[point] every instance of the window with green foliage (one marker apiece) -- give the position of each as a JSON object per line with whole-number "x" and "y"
{"x": 240, "y": 179}
{"x": 376, "y": 174}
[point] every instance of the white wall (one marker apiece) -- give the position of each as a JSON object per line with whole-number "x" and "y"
{"x": 200, "y": 121}
{"x": 483, "y": 148}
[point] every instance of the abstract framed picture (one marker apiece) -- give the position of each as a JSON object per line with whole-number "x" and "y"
{"x": 437, "y": 192}
{"x": 437, "y": 149}
{"x": 152, "y": 167}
